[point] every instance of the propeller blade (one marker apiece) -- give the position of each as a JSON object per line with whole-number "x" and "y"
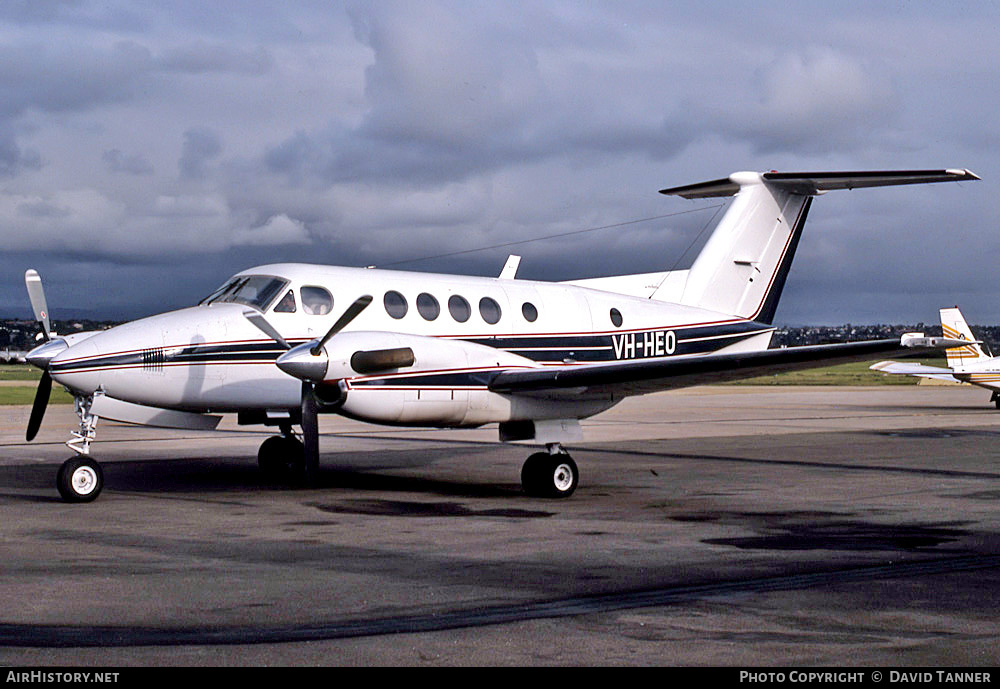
{"x": 310, "y": 433}
{"x": 33, "y": 281}
{"x": 265, "y": 327}
{"x": 360, "y": 304}
{"x": 39, "y": 405}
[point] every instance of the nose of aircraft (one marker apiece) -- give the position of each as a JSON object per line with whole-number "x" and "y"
{"x": 42, "y": 355}
{"x": 71, "y": 364}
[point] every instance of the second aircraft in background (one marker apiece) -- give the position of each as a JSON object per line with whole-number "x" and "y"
{"x": 966, "y": 364}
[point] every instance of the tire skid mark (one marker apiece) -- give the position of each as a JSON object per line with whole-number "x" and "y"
{"x": 70, "y": 636}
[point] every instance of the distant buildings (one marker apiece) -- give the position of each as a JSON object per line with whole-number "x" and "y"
{"x": 19, "y": 336}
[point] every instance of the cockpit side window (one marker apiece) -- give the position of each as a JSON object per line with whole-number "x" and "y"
{"x": 316, "y": 300}
{"x": 287, "y": 303}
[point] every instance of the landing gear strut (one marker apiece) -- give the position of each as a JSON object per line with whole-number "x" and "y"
{"x": 80, "y": 478}
{"x": 551, "y": 474}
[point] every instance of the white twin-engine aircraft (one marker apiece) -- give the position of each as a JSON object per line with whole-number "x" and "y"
{"x": 966, "y": 364}
{"x": 279, "y": 344}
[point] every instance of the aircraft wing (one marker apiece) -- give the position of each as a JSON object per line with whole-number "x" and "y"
{"x": 637, "y": 377}
{"x": 907, "y": 369}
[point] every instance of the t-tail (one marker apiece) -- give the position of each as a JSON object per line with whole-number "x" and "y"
{"x": 742, "y": 268}
{"x": 953, "y": 325}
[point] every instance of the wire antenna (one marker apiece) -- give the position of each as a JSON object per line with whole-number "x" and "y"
{"x": 555, "y": 236}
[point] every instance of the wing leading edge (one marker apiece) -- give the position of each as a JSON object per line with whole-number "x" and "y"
{"x": 645, "y": 376}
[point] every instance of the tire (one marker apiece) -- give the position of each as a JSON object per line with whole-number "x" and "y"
{"x": 550, "y": 476}
{"x": 80, "y": 479}
{"x": 280, "y": 458}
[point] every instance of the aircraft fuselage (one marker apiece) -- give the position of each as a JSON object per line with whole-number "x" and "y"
{"x": 210, "y": 358}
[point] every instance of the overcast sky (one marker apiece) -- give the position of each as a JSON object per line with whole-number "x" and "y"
{"x": 149, "y": 150}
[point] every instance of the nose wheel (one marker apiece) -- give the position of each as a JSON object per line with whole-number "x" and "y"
{"x": 550, "y": 475}
{"x": 80, "y": 479}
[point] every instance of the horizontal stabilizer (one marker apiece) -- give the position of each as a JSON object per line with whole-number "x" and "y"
{"x": 813, "y": 183}
{"x": 910, "y": 369}
{"x": 918, "y": 340}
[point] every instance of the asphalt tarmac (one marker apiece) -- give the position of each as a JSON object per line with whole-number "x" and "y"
{"x": 718, "y": 526}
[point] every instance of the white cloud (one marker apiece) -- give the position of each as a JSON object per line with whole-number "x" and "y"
{"x": 279, "y": 230}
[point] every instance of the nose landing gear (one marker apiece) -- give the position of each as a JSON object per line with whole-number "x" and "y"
{"x": 80, "y": 478}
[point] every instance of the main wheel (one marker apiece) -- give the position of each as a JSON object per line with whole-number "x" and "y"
{"x": 549, "y": 476}
{"x": 80, "y": 479}
{"x": 280, "y": 458}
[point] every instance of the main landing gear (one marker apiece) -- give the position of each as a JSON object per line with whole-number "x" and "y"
{"x": 281, "y": 458}
{"x": 551, "y": 474}
{"x": 995, "y": 399}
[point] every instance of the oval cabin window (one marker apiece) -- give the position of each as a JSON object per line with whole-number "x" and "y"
{"x": 459, "y": 308}
{"x": 489, "y": 310}
{"x": 616, "y": 317}
{"x": 395, "y": 304}
{"x": 529, "y": 312}
{"x": 427, "y": 306}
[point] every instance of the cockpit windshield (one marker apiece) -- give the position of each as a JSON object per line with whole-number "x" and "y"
{"x": 257, "y": 291}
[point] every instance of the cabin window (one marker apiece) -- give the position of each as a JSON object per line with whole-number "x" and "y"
{"x": 287, "y": 303}
{"x": 489, "y": 310}
{"x": 529, "y": 312}
{"x": 395, "y": 304}
{"x": 427, "y": 306}
{"x": 459, "y": 308}
{"x": 616, "y": 317}
{"x": 316, "y": 300}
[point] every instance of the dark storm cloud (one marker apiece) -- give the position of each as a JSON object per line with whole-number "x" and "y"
{"x": 201, "y": 145}
{"x": 135, "y": 164}
{"x": 188, "y": 138}
{"x": 451, "y": 94}
{"x": 13, "y": 158}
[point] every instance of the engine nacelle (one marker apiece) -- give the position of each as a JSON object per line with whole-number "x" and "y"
{"x": 406, "y": 379}
{"x": 361, "y": 354}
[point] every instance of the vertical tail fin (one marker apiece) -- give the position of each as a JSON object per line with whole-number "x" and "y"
{"x": 742, "y": 268}
{"x": 953, "y": 325}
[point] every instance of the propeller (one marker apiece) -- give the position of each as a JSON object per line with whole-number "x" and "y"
{"x": 265, "y": 327}
{"x": 308, "y": 362}
{"x": 33, "y": 281}
{"x": 40, "y": 356}
{"x": 359, "y": 305}
{"x": 38, "y": 406}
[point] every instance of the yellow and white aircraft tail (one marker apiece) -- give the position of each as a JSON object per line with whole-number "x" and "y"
{"x": 953, "y": 325}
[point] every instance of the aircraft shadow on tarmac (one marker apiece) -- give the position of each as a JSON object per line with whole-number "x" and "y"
{"x": 231, "y": 475}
